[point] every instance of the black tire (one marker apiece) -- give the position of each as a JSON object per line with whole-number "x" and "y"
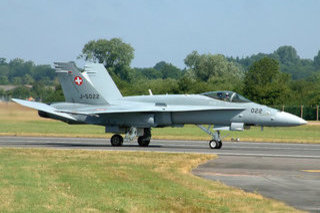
{"x": 213, "y": 144}
{"x": 143, "y": 141}
{"x": 116, "y": 140}
{"x": 219, "y": 145}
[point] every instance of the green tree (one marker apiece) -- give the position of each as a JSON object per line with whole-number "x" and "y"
{"x": 168, "y": 70}
{"x": 17, "y": 80}
{"x": 3, "y": 61}
{"x": 20, "y": 92}
{"x": 148, "y": 73}
{"x": 287, "y": 55}
{"x": 316, "y": 60}
{"x": 289, "y": 60}
{"x": 27, "y": 79}
{"x": 54, "y": 95}
{"x": 209, "y": 67}
{"x": 40, "y": 72}
{"x": 18, "y": 71}
{"x": 4, "y": 73}
{"x": 249, "y": 60}
{"x": 4, "y": 80}
{"x": 19, "y": 68}
{"x": 302, "y": 92}
{"x": 265, "y": 84}
{"x": 114, "y": 54}
{"x": 185, "y": 84}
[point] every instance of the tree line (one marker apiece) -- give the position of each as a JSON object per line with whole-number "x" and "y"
{"x": 279, "y": 78}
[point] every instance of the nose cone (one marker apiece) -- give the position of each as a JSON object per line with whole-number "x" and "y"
{"x": 287, "y": 119}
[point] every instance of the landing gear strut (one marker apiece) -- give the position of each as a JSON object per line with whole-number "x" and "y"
{"x": 144, "y": 140}
{"x": 216, "y": 142}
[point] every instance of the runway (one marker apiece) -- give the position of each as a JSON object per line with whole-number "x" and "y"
{"x": 286, "y": 172}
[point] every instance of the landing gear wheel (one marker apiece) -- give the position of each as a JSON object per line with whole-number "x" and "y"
{"x": 216, "y": 142}
{"x": 220, "y": 145}
{"x": 213, "y": 144}
{"x": 116, "y": 140}
{"x": 143, "y": 141}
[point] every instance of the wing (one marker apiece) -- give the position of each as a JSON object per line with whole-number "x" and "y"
{"x": 43, "y": 107}
{"x": 119, "y": 108}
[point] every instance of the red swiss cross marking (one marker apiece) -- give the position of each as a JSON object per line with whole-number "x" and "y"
{"x": 78, "y": 80}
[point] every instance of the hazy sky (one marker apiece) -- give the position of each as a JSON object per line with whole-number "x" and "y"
{"x": 46, "y": 31}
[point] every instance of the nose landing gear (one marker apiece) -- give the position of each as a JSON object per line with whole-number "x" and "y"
{"x": 216, "y": 142}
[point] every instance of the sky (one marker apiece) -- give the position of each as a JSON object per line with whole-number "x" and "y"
{"x": 45, "y": 31}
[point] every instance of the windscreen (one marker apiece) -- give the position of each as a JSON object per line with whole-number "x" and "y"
{"x": 228, "y": 96}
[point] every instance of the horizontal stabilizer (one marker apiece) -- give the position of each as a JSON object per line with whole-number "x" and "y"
{"x": 43, "y": 107}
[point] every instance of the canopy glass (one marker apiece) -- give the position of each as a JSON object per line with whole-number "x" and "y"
{"x": 228, "y": 96}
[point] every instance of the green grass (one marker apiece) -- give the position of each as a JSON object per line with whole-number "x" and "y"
{"x": 15, "y": 120}
{"x": 43, "y": 127}
{"x": 39, "y": 180}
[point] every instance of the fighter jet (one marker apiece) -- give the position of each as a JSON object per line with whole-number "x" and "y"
{"x": 91, "y": 97}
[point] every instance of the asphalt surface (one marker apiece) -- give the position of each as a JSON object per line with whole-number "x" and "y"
{"x": 286, "y": 172}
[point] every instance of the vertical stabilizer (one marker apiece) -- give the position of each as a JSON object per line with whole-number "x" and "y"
{"x": 76, "y": 88}
{"x": 102, "y": 81}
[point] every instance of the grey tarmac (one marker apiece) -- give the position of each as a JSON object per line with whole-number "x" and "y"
{"x": 282, "y": 171}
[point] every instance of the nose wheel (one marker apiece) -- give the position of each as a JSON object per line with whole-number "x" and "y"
{"x": 213, "y": 144}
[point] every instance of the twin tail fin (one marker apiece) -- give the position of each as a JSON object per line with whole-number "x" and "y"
{"x": 76, "y": 87}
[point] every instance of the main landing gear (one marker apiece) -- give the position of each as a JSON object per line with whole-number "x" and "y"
{"x": 144, "y": 140}
{"x": 144, "y": 137}
{"x": 216, "y": 142}
{"x": 116, "y": 140}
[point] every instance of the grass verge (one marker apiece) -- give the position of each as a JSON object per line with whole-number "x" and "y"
{"x": 41, "y": 180}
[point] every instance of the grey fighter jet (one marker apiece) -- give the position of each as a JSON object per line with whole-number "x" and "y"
{"x": 93, "y": 98}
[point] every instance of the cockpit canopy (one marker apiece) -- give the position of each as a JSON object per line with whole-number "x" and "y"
{"x": 228, "y": 96}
